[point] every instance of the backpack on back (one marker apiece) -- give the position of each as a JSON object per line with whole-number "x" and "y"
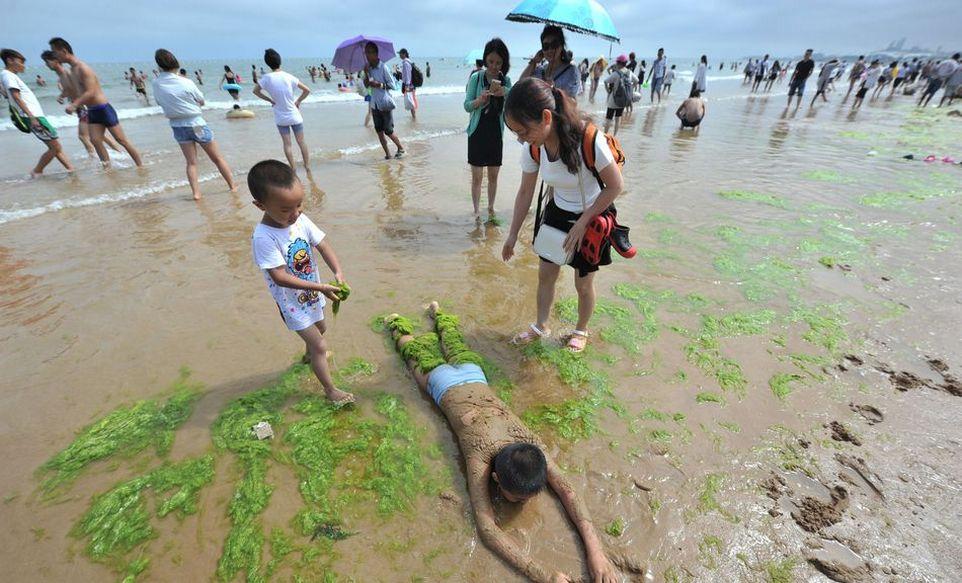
{"x": 417, "y": 79}
{"x": 622, "y": 91}
{"x": 588, "y": 152}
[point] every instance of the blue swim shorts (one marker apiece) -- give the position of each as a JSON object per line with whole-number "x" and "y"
{"x": 198, "y": 134}
{"x": 286, "y": 130}
{"x": 447, "y": 376}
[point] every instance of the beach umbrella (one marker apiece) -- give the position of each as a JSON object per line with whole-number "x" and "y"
{"x": 582, "y": 16}
{"x": 475, "y": 55}
{"x": 349, "y": 55}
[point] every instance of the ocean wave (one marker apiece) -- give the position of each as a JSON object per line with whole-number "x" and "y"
{"x": 58, "y": 205}
{"x": 415, "y": 137}
{"x": 328, "y": 96}
{"x": 690, "y": 75}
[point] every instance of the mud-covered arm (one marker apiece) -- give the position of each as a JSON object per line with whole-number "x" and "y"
{"x": 492, "y": 534}
{"x": 599, "y": 566}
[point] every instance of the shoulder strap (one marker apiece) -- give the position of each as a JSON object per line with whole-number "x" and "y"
{"x": 588, "y": 146}
{"x": 561, "y": 72}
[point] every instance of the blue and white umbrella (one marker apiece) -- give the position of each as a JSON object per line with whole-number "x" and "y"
{"x": 473, "y": 56}
{"x": 582, "y": 16}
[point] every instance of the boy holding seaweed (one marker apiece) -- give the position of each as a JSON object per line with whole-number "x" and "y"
{"x": 283, "y": 244}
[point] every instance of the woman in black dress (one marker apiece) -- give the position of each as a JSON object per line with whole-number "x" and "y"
{"x": 484, "y": 100}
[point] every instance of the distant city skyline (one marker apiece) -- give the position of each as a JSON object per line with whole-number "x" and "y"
{"x": 244, "y": 28}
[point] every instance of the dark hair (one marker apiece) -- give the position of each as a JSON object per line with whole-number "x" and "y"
{"x": 10, "y": 54}
{"x": 531, "y": 96}
{"x": 48, "y": 56}
{"x": 272, "y": 59}
{"x": 631, "y": 55}
{"x": 957, "y": 56}
{"x": 57, "y": 43}
{"x": 371, "y": 45}
{"x": 521, "y": 468}
{"x": 166, "y": 60}
{"x": 403, "y": 53}
{"x": 861, "y": 56}
{"x": 556, "y": 31}
{"x": 704, "y": 59}
{"x": 268, "y": 174}
{"x": 695, "y": 93}
{"x": 496, "y": 45}
{"x": 479, "y": 63}
{"x": 809, "y": 51}
{"x": 227, "y": 69}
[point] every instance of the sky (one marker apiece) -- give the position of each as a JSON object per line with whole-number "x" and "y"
{"x": 113, "y": 31}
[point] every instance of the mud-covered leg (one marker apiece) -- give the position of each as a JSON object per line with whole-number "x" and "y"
{"x": 422, "y": 354}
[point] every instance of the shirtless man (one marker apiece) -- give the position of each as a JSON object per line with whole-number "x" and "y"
{"x": 691, "y": 111}
{"x": 68, "y": 90}
{"x": 101, "y": 116}
{"x": 501, "y": 454}
{"x": 139, "y": 82}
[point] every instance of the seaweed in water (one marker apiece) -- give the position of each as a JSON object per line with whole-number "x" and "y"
{"x": 231, "y": 432}
{"x": 424, "y": 351}
{"x": 125, "y": 431}
{"x": 781, "y": 384}
{"x": 575, "y": 418}
{"x": 118, "y": 520}
{"x": 749, "y": 196}
{"x": 706, "y": 497}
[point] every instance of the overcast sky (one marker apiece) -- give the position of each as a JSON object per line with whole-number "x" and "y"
{"x": 115, "y": 30}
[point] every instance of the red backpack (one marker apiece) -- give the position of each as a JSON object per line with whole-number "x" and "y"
{"x": 588, "y": 151}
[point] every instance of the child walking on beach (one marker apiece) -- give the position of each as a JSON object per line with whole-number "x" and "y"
{"x": 283, "y": 245}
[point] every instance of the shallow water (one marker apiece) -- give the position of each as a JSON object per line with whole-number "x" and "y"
{"x": 104, "y": 301}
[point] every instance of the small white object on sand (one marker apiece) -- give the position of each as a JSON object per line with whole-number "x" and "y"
{"x": 263, "y": 430}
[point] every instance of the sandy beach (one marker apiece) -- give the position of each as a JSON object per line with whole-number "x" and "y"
{"x": 772, "y": 388}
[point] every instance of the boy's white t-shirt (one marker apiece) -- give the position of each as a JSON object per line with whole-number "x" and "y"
{"x": 567, "y": 189}
{"x": 292, "y": 247}
{"x": 281, "y": 85}
{"x": 10, "y": 80}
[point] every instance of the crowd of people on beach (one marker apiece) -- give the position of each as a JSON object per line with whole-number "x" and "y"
{"x": 576, "y": 221}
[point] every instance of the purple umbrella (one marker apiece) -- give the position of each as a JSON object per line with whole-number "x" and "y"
{"x": 349, "y": 55}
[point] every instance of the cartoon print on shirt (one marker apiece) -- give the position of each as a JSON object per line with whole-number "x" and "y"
{"x": 299, "y": 261}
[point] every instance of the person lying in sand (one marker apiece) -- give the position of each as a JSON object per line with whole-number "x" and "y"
{"x": 502, "y": 456}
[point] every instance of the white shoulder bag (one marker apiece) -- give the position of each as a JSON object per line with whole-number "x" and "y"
{"x": 548, "y": 240}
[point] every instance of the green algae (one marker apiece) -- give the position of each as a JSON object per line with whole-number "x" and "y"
{"x": 616, "y": 527}
{"x": 780, "y": 571}
{"x": 574, "y": 418}
{"x": 751, "y": 196}
{"x": 125, "y": 431}
{"x": 781, "y": 384}
{"x": 343, "y": 292}
{"x": 709, "y": 397}
{"x": 826, "y": 326}
{"x": 455, "y": 349}
{"x": 730, "y": 426}
{"x": 709, "y": 549}
{"x": 707, "y": 501}
{"x": 280, "y": 547}
{"x": 705, "y": 353}
{"x": 653, "y": 217}
{"x": 118, "y": 521}
{"x": 827, "y": 176}
{"x": 231, "y": 431}
{"x": 623, "y": 331}
{"x": 424, "y": 351}
{"x": 829, "y": 262}
{"x": 135, "y": 568}
{"x": 355, "y": 368}
{"x": 646, "y": 301}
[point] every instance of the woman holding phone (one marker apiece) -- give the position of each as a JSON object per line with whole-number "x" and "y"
{"x": 484, "y": 100}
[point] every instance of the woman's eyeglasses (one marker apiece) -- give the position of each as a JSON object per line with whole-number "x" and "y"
{"x": 550, "y": 46}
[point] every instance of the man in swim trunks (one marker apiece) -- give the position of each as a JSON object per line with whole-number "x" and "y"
{"x": 68, "y": 90}
{"x": 100, "y": 114}
{"x": 691, "y": 111}
{"x": 26, "y": 111}
{"x": 502, "y": 456}
{"x": 139, "y": 82}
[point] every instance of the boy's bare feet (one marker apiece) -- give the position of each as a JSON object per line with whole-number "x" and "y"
{"x": 339, "y": 397}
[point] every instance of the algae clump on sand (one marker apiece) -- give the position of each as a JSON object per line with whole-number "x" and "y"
{"x": 124, "y": 431}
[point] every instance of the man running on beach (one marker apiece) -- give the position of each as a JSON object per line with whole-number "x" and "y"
{"x": 501, "y": 455}
{"x": 869, "y": 82}
{"x": 938, "y": 75}
{"x": 26, "y": 111}
{"x": 100, "y": 114}
{"x": 277, "y": 88}
{"x": 803, "y": 69}
{"x": 139, "y": 82}
{"x": 855, "y": 75}
{"x": 657, "y": 75}
{"x": 68, "y": 90}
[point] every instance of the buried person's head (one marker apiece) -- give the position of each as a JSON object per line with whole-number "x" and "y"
{"x": 520, "y": 470}
{"x": 276, "y": 191}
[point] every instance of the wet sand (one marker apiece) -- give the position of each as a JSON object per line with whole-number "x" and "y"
{"x": 103, "y": 305}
